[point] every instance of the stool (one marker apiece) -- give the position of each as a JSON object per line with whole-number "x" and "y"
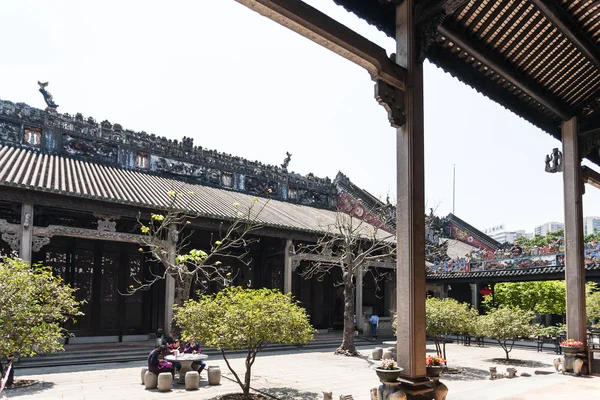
{"x": 192, "y": 380}
{"x": 150, "y": 380}
{"x": 165, "y": 381}
{"x": 144, "y": 369}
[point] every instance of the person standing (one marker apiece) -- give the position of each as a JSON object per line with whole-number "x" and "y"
{"x": 374, "y": 321}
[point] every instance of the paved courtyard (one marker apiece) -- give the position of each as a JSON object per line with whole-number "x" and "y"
{"x": 304, "y": 374}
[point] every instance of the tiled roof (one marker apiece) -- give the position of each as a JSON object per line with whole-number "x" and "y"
{"x": 28, "y": 169}
{"x": 485, "y": 239}
{"x": 506, "y": 273}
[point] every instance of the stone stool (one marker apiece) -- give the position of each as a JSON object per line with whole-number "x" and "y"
{"x": 144, "y": 369}
{"x": 387, "y": 354}
{"x": 377, "y": 353}
{"x": 165, "y": 381}
{"x": 192, "y": 380}
{"x": 150, "y": 380}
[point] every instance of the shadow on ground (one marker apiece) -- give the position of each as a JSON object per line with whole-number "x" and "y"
{"x": 518, "y": 363}
{"x": 283, "y": 393}
{"x": 465, "y": 374}
{"x": 36, "y": 388}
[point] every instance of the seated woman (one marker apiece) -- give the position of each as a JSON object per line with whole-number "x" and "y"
{"x": 156, "y": 364}
{"x": 194, "y": 348}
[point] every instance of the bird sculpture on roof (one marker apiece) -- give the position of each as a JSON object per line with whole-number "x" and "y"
{"x": 47, "y": 96}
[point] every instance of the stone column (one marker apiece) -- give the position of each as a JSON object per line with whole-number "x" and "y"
{"x": 287, "y": 266}
{"x": 474, "y": 295}
{"x": 410, "y": 210}
{"x": 574, "y": 261}
{"x": 26, "y": 231}
{"x": 172, "y": 239}
{"x": 358, "y": 298}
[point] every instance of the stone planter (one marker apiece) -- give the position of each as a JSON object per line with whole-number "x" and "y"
{"x": 570, "y": 349}
{"x": 435, "y": 371}
{"x": 388, "y": 375}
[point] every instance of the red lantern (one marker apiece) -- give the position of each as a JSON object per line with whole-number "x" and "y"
{"x": 485, "y": 291}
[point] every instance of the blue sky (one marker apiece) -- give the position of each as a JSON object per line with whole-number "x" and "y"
{"x": 239, "y": 83}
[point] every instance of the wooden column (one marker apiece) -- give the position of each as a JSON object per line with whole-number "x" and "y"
{"x": 358, "y": 298}
{"x": 287, "y": 266}
{"x": 26, "y": 232}
{"x": 410, "y": 277}
{"x": 170, "y": 281}
{"x": 574, "y": 262}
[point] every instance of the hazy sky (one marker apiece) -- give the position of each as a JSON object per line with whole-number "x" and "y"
{"x": 239, "y": 83}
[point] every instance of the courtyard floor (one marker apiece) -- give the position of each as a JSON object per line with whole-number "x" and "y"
{"x": 304, "y": 374}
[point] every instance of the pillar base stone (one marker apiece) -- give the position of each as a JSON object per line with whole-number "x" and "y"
{"x": 422, "y": 389}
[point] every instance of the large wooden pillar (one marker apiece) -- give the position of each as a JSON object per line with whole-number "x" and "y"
{"x": 172, "y": 239}
{"x": 26, "y": 232}
{"x": 287, "y": 266}
{"x": 574, "y": 261}
{"x": 410, "y": 277}
{"x": 358, "y": 306}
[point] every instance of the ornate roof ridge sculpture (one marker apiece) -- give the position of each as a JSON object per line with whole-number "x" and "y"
{"x": 84, "y": 138}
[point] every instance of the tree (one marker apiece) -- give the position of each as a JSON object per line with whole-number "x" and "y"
{"x": 543, "y": 297}
{"x": 166, "y": 237}
{"x": 239, "y": 318}
{"x": 445, "y": 317}
{"x": 592, "y": 306}
{"x": 351, "y": 246}
{"x": 506, "y": 324}
{"x": 34, "y": 305}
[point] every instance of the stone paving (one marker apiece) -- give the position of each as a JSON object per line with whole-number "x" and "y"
{"x": 304, "y": 374}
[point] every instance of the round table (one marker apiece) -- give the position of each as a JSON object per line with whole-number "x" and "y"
{"x": 186, "y": 361}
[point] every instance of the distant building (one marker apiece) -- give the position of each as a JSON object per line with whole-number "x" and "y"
{"x": 500, "y": 234}
{"x": 591, "y": 225}
{"x": 544, "y": 229}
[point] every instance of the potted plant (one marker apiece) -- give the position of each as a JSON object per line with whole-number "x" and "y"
{"x": 435, "y": 365}
{"x": 388, "y": 371}
{"x": 571, "y": 346}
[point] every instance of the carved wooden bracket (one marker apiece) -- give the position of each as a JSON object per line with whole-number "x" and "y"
{"x": 13, "y": 240}
{"x": 589, "y": 142}
{"x": 554, "y": 161}
{"x": 392, "y": 99}
{"x": 38, "y": 242}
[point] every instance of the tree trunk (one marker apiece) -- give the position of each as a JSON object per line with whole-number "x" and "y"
{"x": 182, "y": 293}
{"x": 347, "y": 347}
{"x": 247, "y": 378}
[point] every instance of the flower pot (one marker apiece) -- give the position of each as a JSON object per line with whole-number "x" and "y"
{"x": 388, "y": 375}
{"x": 435, "y": 371}
{"x": 570, "y": 349}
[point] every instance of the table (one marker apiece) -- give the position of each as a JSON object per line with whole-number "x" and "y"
{"x": 186, "y": 361}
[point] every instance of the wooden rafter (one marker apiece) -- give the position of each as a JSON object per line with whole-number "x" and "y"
{"x": 496, "y": 65}
{"x": 561, "y": 20}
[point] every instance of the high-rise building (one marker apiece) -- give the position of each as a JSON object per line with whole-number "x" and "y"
{"x": 548, "y": 227}
{"x": 502, "y": 235}
{"x": 591, "y": 225}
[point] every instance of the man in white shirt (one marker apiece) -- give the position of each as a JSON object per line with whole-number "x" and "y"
{"x": 374, "y": 321}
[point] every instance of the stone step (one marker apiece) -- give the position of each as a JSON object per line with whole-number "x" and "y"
{"x": 95, "y": 356}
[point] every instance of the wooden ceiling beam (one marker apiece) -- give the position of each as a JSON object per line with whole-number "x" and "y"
{"x": 590, "y": 176}
{"x": 562, "y": 21}
{"x": 495, "y": 64}
{"x": 327, "y": 32}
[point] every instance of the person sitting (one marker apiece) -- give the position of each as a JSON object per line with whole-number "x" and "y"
{"x": 174, "y": 350}
{"x": 156, "y": 362}
{"x": 195, "y": 348}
